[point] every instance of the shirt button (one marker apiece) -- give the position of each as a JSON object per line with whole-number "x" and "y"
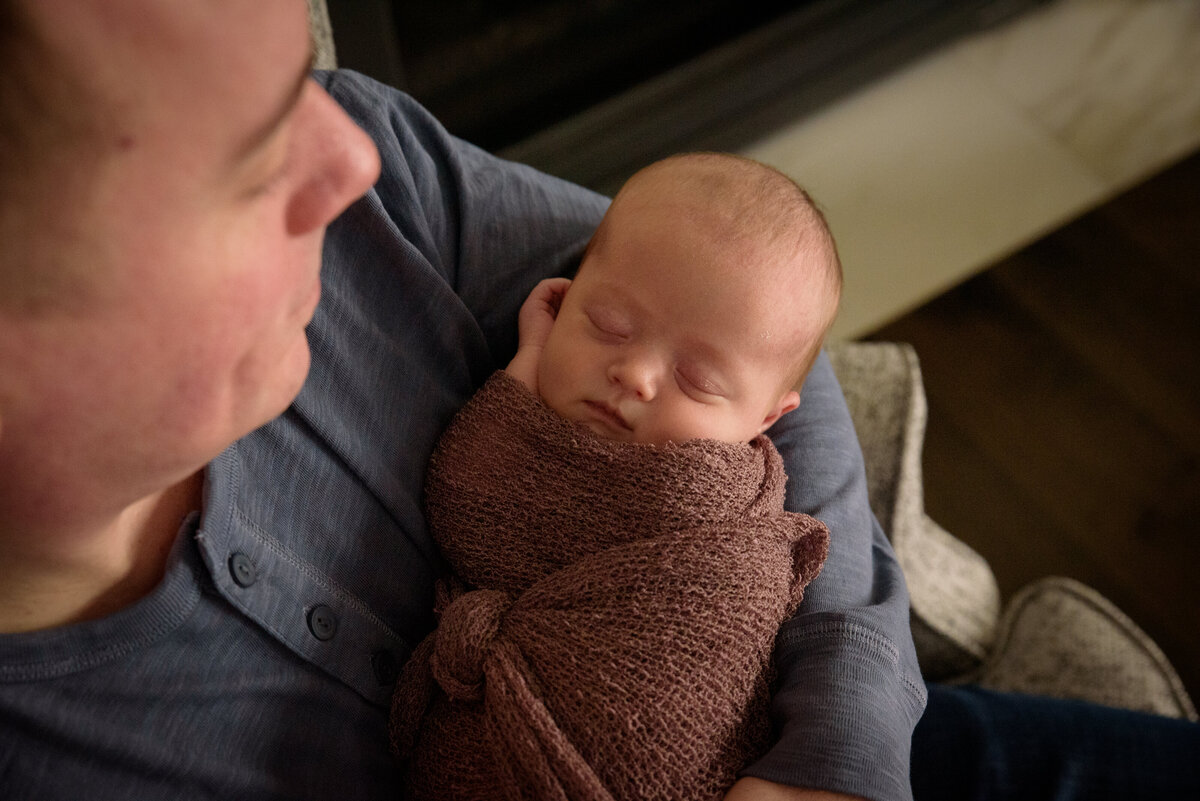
{"x": 242, "y": 570}
{"x": 322, "y": 622}
{"x": 386, "y": 669}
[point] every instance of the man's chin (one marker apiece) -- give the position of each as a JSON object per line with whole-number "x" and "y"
{"x": 293, "y": 371}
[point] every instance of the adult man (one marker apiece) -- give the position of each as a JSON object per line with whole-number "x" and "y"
{"x": 168, "y": 173}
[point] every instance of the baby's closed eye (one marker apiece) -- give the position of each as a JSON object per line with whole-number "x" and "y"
{"x": 697, "y": 384}
{"x": 607, "y": 325}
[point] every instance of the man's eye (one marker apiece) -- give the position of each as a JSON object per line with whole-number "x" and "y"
{"x": 266, "y": 185}
{"x": 267, "y": 173}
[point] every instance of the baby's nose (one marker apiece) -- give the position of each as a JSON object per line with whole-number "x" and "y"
{"x": 636, "y": 376}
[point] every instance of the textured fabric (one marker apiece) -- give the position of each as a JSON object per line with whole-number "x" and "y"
{"x": 1063, "y": 639}
{"x": 208, "y": 688}
{"x": 622, "y": 600}
{"x": 324, "y": 49}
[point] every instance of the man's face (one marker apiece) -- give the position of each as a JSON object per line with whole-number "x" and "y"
{"x": 193, "y": 247}
{"x": 664, "y": 336}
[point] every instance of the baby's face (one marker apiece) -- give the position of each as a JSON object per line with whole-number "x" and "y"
{"x": 663, "y": 338}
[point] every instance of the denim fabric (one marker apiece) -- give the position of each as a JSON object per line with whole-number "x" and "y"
{"x": 262, "y": 666}
{"x": 978, "y": 745}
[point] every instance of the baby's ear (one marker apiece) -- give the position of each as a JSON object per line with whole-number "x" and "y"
{"x": 787, "y": 403}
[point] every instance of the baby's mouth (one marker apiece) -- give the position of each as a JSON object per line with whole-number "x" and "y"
{"x": 608, "y": 415}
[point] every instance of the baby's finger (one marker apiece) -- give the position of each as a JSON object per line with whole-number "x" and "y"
{"x": 551, "y": 292}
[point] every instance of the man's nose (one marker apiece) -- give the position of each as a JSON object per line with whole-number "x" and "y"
{"x": 343, "y": 164}
{"x": 636, "y": 374}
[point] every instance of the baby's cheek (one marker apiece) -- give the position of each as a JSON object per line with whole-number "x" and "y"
{"x": 551, "y": 381}
{"x": 696, "y": 421}
{"x": 678, "y": 422}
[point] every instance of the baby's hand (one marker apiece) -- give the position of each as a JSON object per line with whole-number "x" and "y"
{"x": 534, "y": 322}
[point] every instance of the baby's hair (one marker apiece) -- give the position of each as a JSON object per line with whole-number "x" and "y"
{"x": 753, "y": 202}
{"x": 758, "y": 201}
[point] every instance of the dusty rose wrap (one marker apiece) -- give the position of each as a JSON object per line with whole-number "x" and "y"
{"x": 609, "y": 630}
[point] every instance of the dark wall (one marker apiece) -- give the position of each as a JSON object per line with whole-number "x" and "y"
{"x": 674, "y": 74}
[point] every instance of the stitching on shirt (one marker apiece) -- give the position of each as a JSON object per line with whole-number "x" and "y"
{"x": 236, "y": 514}
{"x": 840, "y": 629}
{"x": 37, "y": 671}
{"x": 317, "y": 577}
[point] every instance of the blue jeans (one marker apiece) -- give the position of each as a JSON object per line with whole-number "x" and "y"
{"x": 978, "y": 744}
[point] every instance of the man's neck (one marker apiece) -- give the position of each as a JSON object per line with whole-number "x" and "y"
{"x": 56, "y": 580}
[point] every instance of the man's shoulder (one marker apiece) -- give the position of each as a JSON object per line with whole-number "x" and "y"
{"x": 355, "y": 86}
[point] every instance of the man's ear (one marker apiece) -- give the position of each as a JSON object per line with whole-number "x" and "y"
{"x": 786, "y": 404}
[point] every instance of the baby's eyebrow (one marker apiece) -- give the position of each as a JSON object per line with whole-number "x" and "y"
{"x": 711, "y": 357}
{"x": 603, "y": 304}
{"x": 609, "y": 292}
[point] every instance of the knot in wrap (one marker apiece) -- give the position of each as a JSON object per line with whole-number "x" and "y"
{"x": 463, "y": 637}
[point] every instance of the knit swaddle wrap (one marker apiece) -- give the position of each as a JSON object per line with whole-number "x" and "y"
{"x": 609, "y": 628}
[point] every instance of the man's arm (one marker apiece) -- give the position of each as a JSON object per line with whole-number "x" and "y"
{"x": 849, "y": 692}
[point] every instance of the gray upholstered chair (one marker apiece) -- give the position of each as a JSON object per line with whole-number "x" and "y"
{"x": 1054, "y": 637}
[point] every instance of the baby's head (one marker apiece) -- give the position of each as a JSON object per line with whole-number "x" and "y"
{"x": 702, "y": 301}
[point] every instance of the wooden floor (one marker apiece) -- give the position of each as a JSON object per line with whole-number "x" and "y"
{"x": 1064, "y": 409}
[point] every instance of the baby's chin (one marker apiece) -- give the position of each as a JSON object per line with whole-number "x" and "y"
{"x": 606, "y": 431}
{"x": 603, "y": 431}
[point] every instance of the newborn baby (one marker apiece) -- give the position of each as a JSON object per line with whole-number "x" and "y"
{"x": 613, "y": 515}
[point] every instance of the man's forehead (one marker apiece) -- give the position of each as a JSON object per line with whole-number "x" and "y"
{"x": 220, "y": 63}
{"x": 115, "y": 37}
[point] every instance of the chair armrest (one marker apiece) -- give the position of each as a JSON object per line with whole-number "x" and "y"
{"x": 954, "y": 596}
{"x": 1060, "y": 638}
{"x": 324, "y": 54}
